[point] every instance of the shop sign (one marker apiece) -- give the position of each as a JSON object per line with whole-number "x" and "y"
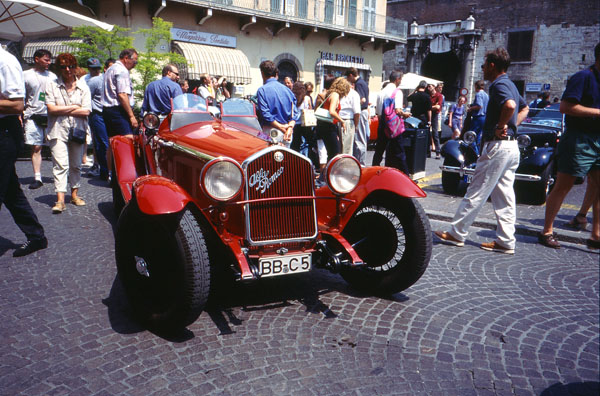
{"x": 533, "y": 87}
{"x": 193, "y": 36}
{"x": 341, "y": 57}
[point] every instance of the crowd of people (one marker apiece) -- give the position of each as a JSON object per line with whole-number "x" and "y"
{"x": 68, "y": 109}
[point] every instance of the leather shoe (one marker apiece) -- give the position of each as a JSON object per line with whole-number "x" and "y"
{"x": 30, "y": 247}
{"x": 59, "y": 207}
{"x": 447, "y": 237}
{"x": 35, "y": 185}
{"x": 548, "y": 240}
{"x": 593, "y": 244}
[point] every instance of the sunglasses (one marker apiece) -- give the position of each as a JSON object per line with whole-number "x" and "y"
{"x": 64, "y": 67}
{"x": 177, "y": 74}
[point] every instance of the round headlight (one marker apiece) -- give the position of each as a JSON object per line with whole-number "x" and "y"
{"x": 276, "y": 135}
{"x": 151, "y": 121}
{"x": 470, "y": 137}
{"x": 523, "y": 141}
{"x": 343, "y": 174}
{"x": 222, "y": 179}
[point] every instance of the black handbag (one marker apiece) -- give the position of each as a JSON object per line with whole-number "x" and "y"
{"x": 77, "y": 135}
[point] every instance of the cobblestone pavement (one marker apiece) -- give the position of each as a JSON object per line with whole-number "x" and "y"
{"x": 477, "y": 323}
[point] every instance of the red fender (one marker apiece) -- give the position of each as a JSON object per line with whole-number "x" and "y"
{"x": 123, "y": 153}
{"x": 158, "y": 195}
{"x": 374, "y": 178}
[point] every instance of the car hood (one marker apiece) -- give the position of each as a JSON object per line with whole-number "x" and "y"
{"x": 214, "y": 139}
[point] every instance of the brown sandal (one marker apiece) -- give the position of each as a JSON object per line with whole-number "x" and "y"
{"x": 548, "y": 240}
{"x": 579, "y": 222}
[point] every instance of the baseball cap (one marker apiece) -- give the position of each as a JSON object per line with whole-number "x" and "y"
{"x": 94, "y": 63}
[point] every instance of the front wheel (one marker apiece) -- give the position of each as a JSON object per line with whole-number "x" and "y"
{"x": 392, "y": 235}
{"x": 163, "y": 264}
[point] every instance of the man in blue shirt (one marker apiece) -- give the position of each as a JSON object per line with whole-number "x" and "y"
{"x": 95, "y": 81}
{"x": 578, "y": 152}
{"x": 477, "y": 110}
{"x": 158, "y": 94}
{"x": 276, "y": 103}
{"x": 495, "y": 172}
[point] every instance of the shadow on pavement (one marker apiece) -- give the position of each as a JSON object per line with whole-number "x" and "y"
{"x": 6, "y": 245}
{"x": 48, "y": 199}
{"x": 573, "y": 389}
{"x": 106, "y": 210}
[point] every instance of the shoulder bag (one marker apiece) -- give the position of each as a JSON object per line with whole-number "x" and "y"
{"x": 322, "y": 114}
{"x": 76, "y": 135}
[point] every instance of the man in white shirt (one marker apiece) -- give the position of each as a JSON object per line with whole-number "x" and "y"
{"x": 35, "y": 116}
{"x": 117, "y": 95}
{"x": 382, "y": 139}
{"x": 350, "y": 112}
{"x": 12, "y": 92}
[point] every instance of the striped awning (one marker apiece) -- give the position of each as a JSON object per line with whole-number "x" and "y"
{"x": 216, "y": 61}
{"x": 55, "y": 45}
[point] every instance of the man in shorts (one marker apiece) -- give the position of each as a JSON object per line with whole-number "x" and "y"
{"x": 578, "y": 152}
{"x": 35, "y": 116}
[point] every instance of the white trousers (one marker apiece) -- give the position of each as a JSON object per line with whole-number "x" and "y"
{"x": 494, "y": 175}
{"x": 66, "y": 161}
{"x": 361, "y": 138}
{"x": 347, "y": 135}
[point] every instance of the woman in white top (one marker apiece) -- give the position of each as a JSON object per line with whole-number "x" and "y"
{"x": 69, "y": 104}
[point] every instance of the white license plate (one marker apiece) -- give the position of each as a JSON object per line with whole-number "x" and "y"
{"x": 284, "y": 265}
{"x": 469, "y": 178}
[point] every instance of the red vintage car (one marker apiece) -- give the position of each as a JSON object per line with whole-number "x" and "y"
{"x": 205, "y": 192}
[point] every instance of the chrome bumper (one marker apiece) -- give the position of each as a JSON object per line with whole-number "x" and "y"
{"x": 469, "y": 171}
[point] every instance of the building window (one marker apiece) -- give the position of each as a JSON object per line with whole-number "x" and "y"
{"x": 520, "y": 44}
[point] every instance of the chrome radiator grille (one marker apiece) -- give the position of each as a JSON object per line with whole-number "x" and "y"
{"x": 275, "y": 174}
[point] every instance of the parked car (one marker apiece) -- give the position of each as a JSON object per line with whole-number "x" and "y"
{"x": 537, "y": 138}
{"x": 198, "y": 195}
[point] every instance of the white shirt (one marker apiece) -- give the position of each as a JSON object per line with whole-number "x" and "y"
{"x": 387, "y": 92}
{"x": 203, "y": 91}
{"x": 36, "y": 84}
{"x": 11, "y": 78}
{"x": 116, "y": 80}
{"x": 350, "y": 105}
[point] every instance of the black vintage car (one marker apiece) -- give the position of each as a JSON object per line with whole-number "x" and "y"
{"x": 537, "y": 137}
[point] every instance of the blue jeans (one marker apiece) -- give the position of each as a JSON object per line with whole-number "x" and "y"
{"x": 100, "y": 137}
{"x": 477, "y": 127}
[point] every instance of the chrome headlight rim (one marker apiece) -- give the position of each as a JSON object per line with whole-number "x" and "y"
{"x": 332, "y": 167}
{"x": 523, "y": 141}
{"x": 151, "y": 121}
{"x": 209, "y": 167}
{"x": 470, "y": 137}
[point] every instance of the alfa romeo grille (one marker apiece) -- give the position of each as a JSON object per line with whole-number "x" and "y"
{"x": 274, "y": 174}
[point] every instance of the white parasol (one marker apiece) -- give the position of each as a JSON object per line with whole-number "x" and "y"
{"x": 31, "y": 18}
{"x": 412, "y": 80}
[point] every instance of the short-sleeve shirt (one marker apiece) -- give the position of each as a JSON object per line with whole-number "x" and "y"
{"x": 117, "y": 80}
{"x": 386, "y": 93}
{"x": 501, "y": 90}
{"x": 583, "y": 88}
{"x": 11, "y": 78}
{"x": 437, "y": 99}
{"x": 421, "y": 104}
{"x": 96, "y": 85}
{"x": 481, "y": 100}
{"x": 35, "y": 91}
{"x": 58, "y": 125}
{"x": 158, "y": 95}
{"x": 350, "y": 105}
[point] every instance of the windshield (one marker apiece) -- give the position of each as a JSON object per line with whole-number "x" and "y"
{"x": 240, "y": 114}
{"x": 548, "y": 116}
{"x": 237, "y": 107}
{"x": 189, "y": 109}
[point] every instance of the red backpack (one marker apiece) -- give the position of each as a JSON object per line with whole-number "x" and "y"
{"x": 394, "y": 124}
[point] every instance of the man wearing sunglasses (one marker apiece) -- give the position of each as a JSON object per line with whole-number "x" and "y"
{"x": 158, "y": 94}
{"x": 117, "y": 95}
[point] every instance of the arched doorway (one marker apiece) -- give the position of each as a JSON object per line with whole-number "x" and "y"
{"x": 287, "y": 68}
{"x": 446, "y": 67}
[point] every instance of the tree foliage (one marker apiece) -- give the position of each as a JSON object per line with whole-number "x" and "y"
{"x": 100, "y": 43}
{"x": 151, "y": 61}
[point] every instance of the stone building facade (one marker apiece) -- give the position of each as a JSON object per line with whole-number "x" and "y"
{"x": 549, "y": 40}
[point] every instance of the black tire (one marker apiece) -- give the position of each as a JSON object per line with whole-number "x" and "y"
{"x": 175, "y": 290}
{"x": 392, "y": 235}
{"x": 535, "y": 193}
{"x": 451, "y": 181}
{"x": 117, "y": 195}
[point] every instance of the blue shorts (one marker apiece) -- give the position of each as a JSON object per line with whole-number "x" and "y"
{"x": 116, "y": 121}
{"x": 578, "y": 153}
